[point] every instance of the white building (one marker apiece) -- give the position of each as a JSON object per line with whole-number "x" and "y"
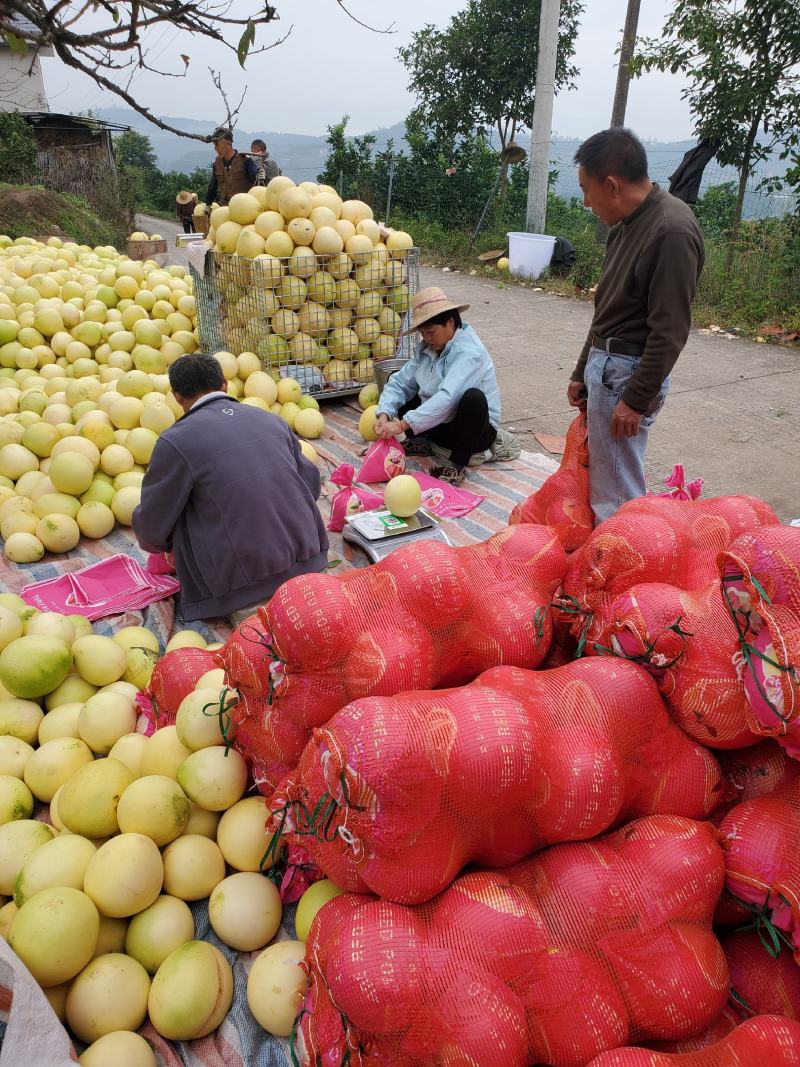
{"x": 21, "y": 81}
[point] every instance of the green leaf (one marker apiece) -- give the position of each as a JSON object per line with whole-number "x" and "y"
{"x": 16, "y": 45}
{"x": 246, "y": 42}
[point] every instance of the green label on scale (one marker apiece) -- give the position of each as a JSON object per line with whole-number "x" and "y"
{"x": 391, "y": 522}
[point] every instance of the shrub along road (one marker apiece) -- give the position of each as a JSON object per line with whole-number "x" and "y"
{"x": 732, "y": 416}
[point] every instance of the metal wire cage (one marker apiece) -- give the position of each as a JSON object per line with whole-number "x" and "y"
{"x": 323, "y": 320}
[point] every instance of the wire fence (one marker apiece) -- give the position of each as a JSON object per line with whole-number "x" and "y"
{"x": 455, "y": 212}
{"x": 460, "y": 196}
{"x": 752, "y": 272}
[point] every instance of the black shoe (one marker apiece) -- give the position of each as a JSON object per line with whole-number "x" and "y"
{"x": 417, "y": 446}
{"x": 449, "y": 473}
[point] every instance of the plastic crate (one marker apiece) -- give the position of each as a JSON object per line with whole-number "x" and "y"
{"x": 314, "y": 326}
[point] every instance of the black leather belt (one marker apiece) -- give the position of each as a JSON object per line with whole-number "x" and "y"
{"x": 615, "y": 347}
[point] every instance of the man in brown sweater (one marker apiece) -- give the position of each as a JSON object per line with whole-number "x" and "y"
{"x": 231, "y": 172}
{"x": 642, "y": 315}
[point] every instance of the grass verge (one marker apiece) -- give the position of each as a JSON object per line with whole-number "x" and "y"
{"x": 33, "y": 211}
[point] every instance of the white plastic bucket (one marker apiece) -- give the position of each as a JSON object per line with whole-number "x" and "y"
{"x": 530, "y": 253}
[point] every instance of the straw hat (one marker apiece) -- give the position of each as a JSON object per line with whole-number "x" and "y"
{"x": 427, "y": 304}
{"x": 185, "y": 197}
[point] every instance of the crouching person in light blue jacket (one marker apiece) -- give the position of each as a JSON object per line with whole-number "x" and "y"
{"x": 446, "y": 395}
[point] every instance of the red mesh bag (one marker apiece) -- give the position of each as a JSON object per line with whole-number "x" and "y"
{"x": 754, "y": 772}
{"x": 761, "y": 583}
{"x": 563, "y": 500}
{"x": 653, "y": 539}
{"x": 428, "y": 616}
{"x": 270, "y": 748}
{"x": 175, "y": 676}
{"x": 724, "y": 1024}
{"x": 688, "y": 642}
{"x": 764, "y": 980}
{"x": 580, "y": 949}
{"x": 762, "y": 861}
{"x": 396, "y": 794}
{"x": 767, "y": 1040}
{"x": 246, "y": 658}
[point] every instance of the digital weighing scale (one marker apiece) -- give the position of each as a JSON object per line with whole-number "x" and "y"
{"x": 379, "y": 533}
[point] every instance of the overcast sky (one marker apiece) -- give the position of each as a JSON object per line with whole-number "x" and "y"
{"x": 330, "y": 66}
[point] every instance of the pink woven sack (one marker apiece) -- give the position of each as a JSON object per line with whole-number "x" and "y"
{"x": 350, "y": 499}
{"x": 109, "y": 587}
{"x": 443, "y": 499}
{"x": 383, "y": 461}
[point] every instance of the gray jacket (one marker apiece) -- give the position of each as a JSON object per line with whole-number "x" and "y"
{"x": 267, "y": 169}
{"x": 230, "y": 493}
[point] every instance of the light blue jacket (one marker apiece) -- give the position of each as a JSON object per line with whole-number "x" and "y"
{"x": 441, "y": 381}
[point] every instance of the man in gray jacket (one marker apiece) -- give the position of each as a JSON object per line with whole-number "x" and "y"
{"x": 229, "y": 492}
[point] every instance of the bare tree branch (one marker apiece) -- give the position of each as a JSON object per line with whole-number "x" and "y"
{"x": 230, "y": 115}
{"x": 106, "y": 53}
{"x": 389, "y": 29}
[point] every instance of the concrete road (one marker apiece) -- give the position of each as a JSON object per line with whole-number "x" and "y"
{"x": 169, "y": 231}
{"x": 732, "y": 415}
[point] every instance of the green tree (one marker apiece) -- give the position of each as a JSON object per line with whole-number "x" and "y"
{"x": 716, "y": 208}
{"x": 134, "y": 150}
{"x": 480, "y": 70}
{"x": 741, "y": 59}
{"x": 349, "y": 161}
{"x": 17, "y": 148}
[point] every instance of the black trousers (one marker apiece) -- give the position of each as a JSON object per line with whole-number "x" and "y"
{"x": 188, "y": 225}
{"x": 468, "y": 433}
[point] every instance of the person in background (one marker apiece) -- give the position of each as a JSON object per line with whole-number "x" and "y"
{"x": 642, "y": 312}
{"x": 231, "y": 171}
{"x": 229, "y": 492}
{"x": 446, "y": 395}
{"x": 186, "y": 203}
{"x": 267, "y": 168}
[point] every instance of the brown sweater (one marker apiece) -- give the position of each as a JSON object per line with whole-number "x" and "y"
{"x": 652, "y": 263}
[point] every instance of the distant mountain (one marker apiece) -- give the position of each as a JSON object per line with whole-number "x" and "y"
{"x": 303, "y": 156}
{"x": 299, "y": 155}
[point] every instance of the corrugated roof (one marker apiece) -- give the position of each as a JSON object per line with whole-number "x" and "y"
{"x": 54, "y": 120}
{"x": 23, "y": 27}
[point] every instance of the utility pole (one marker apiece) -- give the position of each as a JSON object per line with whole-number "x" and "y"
{"x": 542, "y": 125}
{"x": 625, "y": 55}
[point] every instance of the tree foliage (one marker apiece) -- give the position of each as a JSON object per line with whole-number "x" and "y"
{"x": 17, "y": 148}
{"x": 349, "y": 158}
{"x": 134, "y": 149}
{"x": 446, "y": 178}
{"x": 147, "y": 187}
{"x": 741, "y": 59}
{"x": 715, "y": 210}
{"x": 480, "y": 70}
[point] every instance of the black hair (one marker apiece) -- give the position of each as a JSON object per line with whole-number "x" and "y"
{"x": 259, "y": 144}
{"x": 617, "y": 152}
{"x": 444, "y": 317}
{"x": 193, "y": 375}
